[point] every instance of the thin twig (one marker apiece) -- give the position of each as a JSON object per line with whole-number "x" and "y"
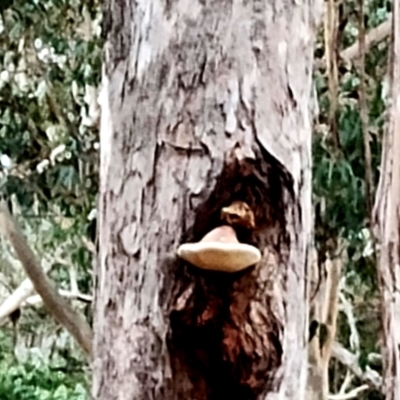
{"x": 85, "y": 298}
{"x": 353, "y": 394}
{"x": 354, "y": 338}
{"x": 331, "y": 51}
{"x": 346, "y": 382}
{"x": 362, "y": 100}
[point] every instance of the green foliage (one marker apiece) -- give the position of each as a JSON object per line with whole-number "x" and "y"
{"x": 339, "y": 173}
{"x": 39, "y": 379}
{"x": 339, "y": 182}
{"x": 33, "y": 382}
{"x": 49, "y": 68}
{"x": 50, "y": 55}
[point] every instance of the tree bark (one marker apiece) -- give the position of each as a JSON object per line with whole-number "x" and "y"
{"x": 203, "y": 103}
{"x": 324, "y": 312}
{"x": 387, "y": 225}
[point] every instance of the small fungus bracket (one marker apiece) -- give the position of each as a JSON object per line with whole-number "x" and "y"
{"x": 220, "y": 250}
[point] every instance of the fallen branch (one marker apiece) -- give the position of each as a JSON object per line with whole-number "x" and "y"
{"x": 64, "y": 314}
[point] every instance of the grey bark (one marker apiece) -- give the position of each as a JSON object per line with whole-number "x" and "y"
{"x": 387, "y": 225}
{"x": 203, "y": 103}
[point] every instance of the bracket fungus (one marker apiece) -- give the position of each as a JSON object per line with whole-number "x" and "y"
{"x": 220, "y": 249}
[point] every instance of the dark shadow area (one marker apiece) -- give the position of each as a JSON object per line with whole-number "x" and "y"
{"x": 223, "y": 333}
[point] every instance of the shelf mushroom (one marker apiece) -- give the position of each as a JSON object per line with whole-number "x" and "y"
{"x": 220, "y": 250}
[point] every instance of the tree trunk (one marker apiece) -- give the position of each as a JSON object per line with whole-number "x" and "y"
{"x": 387, "y": 218}
{"x": 203, "y": 103}
{"x": 323, "y": 313}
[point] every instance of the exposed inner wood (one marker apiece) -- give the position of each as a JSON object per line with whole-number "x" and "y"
{"x": 225, "y": 333}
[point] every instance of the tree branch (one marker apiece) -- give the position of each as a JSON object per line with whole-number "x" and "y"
{"x": 369, "y": 376}
{"x": 353, "y": 394}
{"x": 14, "y": 301}
{"x": 373, "y": 37}
{"x": 84, "y": 298}
{"x": 346, "y": 382}
{"x": 331, "y": 55}
{"x": 64, "y": 314}
{"x": 354, "y": 338}
{"x": 362, "y": 99}
{"x": 334, "y": 270}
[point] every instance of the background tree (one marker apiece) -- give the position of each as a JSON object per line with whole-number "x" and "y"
{"x": 341, "y": 193}
{"x": 387, "y": 214}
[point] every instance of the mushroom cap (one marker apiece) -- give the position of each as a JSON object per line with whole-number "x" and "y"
{"x": 224, "y": 233}
{"x": 220, "y": 250}
{"x": 220, "y": 256}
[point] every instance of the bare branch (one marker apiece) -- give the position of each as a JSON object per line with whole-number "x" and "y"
{"x": 354, "y": 338}
{"x": 369, "y": 376}
{"x": 73, "y": 279}
{"x": 373, "y": 37}
{"x": 346, "y": 382}
{"x": 362, "y": 100}
{"x": 59, "y": 308}
{"x": 331, "y": 56}
{"x": 353, "y": 394}
{"x": 14, "y": 301}
{"x": 36, "y": 299}
{"x": 334, "y": 270}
